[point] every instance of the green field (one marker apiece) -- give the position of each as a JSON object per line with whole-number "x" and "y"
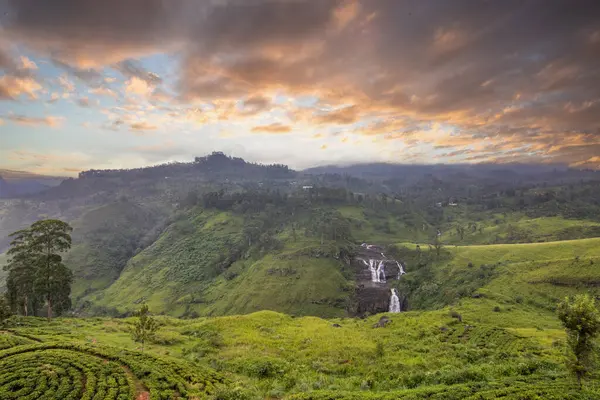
{"x": 509, "y": 344}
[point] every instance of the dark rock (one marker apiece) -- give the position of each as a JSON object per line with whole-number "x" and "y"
{"x": 336, "y": 325}
{"x": 383, "y": 321}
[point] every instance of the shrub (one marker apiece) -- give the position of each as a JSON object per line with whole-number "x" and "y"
{"x": 455, "y": 314}
{"x": 235, "y": 393}
{"x": 263, "y": 367}
{"x": 379, "y": 350}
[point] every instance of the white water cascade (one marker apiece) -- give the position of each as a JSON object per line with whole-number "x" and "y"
{"x": 380, "y": 273}
{"x": 401, "y": 270}
{"x": 374, "y": 272}
{"x": 394, "y": 302}
{"x": 377, "y": 265}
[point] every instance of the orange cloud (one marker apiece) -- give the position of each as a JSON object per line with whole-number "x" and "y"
{"x": 104, "y": 91}
{"x": 342, "y": 116}
{"x": 12, "y": 87}
{"x": 137, "y": 86}
{"x": 35, "y": 121}
{"x": 142, "y": 126}
{"x": 275, "y": 128}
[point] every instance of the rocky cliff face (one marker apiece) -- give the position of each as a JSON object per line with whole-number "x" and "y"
{"x": 374, "y": 297}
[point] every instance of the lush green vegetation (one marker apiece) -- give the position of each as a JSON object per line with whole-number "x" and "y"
{"x": 254, "y": 258}
{"x": 507, "y": 342}
{"x": 269, "y": 355}
{"x": 105, "y": 238}
{"x": 58, "y": 370}
{"x": 36, "y": 274}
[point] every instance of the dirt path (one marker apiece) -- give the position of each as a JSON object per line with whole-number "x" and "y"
{"x": 141, "y": 391}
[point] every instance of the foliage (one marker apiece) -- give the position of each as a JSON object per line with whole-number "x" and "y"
{"x": 145, "y": 327}
{"x": 581, "y": 319}
{"x": 5, "y": 311}
{"x": 62, "y": 370}
{"x": 36, "y": 271}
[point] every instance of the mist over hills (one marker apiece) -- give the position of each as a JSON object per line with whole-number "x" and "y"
{"x": 203, "y": 237}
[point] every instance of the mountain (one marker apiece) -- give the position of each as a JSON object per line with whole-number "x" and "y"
{"x": 20, "y": 183}
{"x": 220, "y": 236}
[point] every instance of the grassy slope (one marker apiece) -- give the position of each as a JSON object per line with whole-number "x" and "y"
{"x": 274, "y": 355}
{"x": 178, "y": 264}
{"x": 523, "y": 279}
{"x": 289, "y": 281}
{"x": 512, "y": 227}
{"x": 104, "y": 239}
{"x": 180, "y": 274}
{"x": 424, "y": 354}
{"x": 380, "y": 228}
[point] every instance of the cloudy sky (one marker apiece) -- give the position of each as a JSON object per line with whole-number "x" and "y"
{"x": 125, "y": 83}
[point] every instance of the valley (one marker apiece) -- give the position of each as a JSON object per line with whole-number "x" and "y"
{"x": 268, "y": 283}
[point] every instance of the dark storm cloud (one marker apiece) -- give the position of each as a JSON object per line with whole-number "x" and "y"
{"x": 526, "y": 70}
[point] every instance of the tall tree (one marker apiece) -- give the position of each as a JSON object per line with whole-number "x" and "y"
{"x": 36, "y": 268}
{"x": 144, "y": 328}
{"x": 21, "y": 269}
{"x": 581, "y": 319}
{"x": 54, "y": 279}
{"x": 5, "y": 312}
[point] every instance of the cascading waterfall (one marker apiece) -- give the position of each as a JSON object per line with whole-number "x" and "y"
{"x": 374, "y": 272}
{"x": 401, "y": 270}
{"x": 394, "y": 302}
{"x": 380, "y": 272}
{"x": 377, "y": 266}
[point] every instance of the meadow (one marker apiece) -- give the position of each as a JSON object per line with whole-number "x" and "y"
{"x": 508, "y": 343}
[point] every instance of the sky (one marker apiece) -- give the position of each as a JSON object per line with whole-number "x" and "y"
{"x": 88, "y": 84}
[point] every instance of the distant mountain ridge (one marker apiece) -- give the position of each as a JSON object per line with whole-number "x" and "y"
{"x": 20, "y": 183}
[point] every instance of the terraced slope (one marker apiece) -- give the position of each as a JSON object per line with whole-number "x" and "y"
{"x": 419, "y": 355}
{"x": 71, "y": 370}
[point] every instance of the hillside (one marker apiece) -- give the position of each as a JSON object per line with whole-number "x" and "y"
{"x": 221, "y": 236}
{"x": 419, "y": 355}
{"x": 255, "y": 274}
{"x": 202, "y": 265}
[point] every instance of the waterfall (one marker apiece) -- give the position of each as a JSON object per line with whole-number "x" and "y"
{"x": 394, "y": 302}
{"x": 374, "y": 272}
{"x": 401, "y": 270}
{"x": 380, "y": 273}
{"x": 377, "y": 265}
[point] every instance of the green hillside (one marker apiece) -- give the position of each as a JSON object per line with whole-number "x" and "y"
{"x": 208, "y": 260}
{"x": 419, "y": 355}
{"x": 105, "y": 238}
{"x": 513, "y": 276}
{"x": 509, "y": 343}
{"x": 202, "y": 265}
